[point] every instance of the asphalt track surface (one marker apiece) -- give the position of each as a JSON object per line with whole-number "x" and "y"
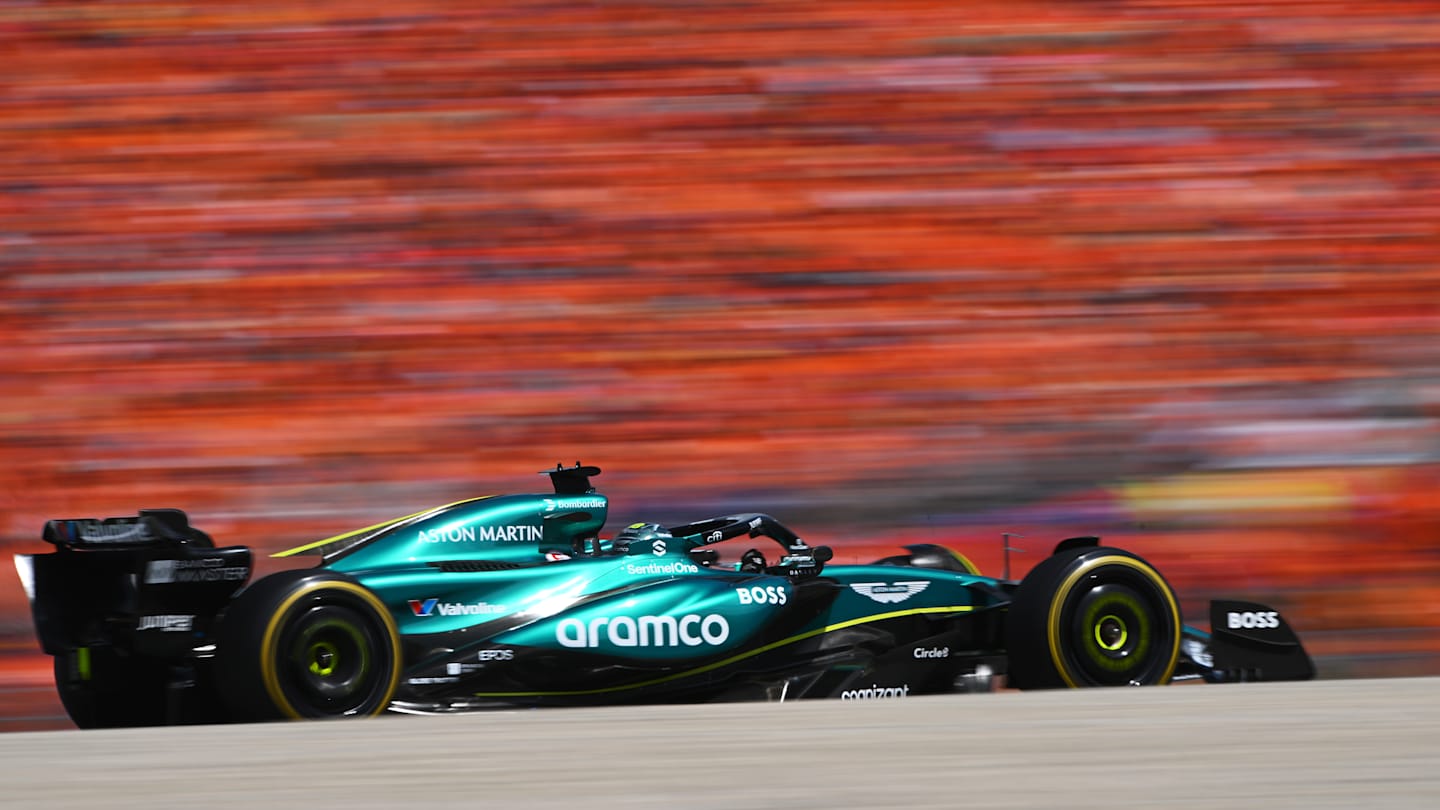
{"x": 1348, "y": 744}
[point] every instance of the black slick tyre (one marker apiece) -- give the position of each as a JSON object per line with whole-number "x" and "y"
{"x": 307, "y": 644}
{"x": 1092, "y": 617}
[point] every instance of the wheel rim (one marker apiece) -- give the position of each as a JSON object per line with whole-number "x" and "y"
{"x": 1115, "y": 633}
{"x": 330, "y": 661}
{"x": 1111, "y": 633}
{"x": 323, "y": 656}
{"x": 1115, "y": 628}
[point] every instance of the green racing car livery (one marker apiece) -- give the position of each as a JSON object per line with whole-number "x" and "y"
{"x": 518, "y": 600}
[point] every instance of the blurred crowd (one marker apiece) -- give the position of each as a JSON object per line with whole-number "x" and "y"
{"x": 1160, "y": 270}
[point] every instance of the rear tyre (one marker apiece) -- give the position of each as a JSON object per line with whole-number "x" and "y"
{"x": 307, "y": 644}
{"x": 100, "y": 689}
{"x": 1092, "y": 617}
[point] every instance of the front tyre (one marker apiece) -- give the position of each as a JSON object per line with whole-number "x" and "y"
{"x": 1092, "y": 617}
{"x": 307, "y": 644}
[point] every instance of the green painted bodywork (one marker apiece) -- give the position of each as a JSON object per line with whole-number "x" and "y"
{"x": 506, "y": 528}
{"x": 526, "y": 574}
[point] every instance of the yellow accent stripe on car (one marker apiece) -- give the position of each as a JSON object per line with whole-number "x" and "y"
{"x": 1053, "y": 623}
{"x": 347, "y": 535}
{"x": 269, "y": 661}
{"x": 732, "y": 659}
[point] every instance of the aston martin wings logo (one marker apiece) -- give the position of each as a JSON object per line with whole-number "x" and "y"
{"x": 890, "y": 591}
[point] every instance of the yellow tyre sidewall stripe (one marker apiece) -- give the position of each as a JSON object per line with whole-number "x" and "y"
{"x": 1063, "y": 592}
{"x": 269, "y": 658}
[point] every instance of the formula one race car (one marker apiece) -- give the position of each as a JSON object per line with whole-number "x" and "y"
{"x": 516, "y": 599}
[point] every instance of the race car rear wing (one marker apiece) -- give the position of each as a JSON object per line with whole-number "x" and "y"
{"x": 150, "y": 527}
{"x": 149, "y": 584}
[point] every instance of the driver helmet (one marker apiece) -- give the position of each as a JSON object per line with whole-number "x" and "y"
{"x": 642, "y": 538}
